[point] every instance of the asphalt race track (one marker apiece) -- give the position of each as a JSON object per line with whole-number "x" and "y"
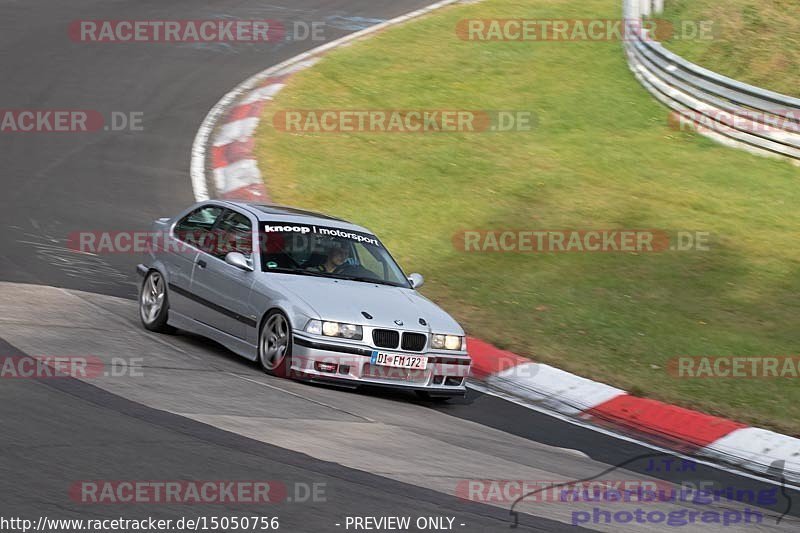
{"x": 194, "y": 411}
{"x": 59, "y": 183}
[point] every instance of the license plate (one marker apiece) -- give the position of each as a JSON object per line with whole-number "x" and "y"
{"x": 396, "y": 360}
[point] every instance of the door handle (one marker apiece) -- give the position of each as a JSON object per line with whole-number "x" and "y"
{"x": 201, "y": 263}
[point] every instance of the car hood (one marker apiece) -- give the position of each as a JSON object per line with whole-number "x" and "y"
{"x": 345, "y": 301}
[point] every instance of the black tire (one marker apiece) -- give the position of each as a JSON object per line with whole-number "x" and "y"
{"x": 154, "y": 287}
{"x": 270, "y": 339}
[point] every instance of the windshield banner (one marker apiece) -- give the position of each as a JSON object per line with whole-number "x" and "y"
{"x": 322, "y": 231}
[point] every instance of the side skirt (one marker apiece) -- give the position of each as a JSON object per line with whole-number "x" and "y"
{"x": 238, "y": 346}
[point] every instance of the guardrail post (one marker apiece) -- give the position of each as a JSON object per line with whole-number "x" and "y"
{"x": 635, "y": 9}
{"x": 627, "y": 9}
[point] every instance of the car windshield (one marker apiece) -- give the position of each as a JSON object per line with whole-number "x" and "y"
{"x": 313, "y": 250}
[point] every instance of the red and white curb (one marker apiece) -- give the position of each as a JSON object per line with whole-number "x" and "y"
{"x": 683, "y": 430}
{"x": 224, "y": 146}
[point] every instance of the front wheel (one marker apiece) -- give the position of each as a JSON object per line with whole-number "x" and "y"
{"x": 275, "y": 345}
{"x": 154, "y": 303}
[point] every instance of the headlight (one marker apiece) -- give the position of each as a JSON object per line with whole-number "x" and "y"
{"x": 335, "y": 329}
{"x": 447, "y": 342}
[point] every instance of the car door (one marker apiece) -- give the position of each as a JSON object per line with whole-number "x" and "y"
{"x": 224, "y": 289}
{"x": 179, "y": 255}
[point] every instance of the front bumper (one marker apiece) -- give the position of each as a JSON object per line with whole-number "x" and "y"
{"x": 445, "y": 375}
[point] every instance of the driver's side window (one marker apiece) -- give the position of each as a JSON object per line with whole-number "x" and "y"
{"x": 234, "y": 233}
{"x": 195, "y": 228}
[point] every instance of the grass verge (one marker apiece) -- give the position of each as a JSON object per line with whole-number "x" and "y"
{"x": 601, "y": 156}
{"x": 754, "y": 41}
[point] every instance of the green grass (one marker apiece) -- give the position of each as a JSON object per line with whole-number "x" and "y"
{"x": 755, "y": 41}
{"x": 602, "y": 156}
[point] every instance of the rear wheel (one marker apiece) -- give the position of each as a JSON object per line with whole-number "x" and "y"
{"x": 275, "y": 345}
{"x": 154, "y": 303}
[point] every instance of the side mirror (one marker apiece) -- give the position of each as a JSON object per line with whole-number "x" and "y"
{"x": 416, "y": 280}
{"x": 239, "y": 261}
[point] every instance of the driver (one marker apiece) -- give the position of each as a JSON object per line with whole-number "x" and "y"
{"x": 336, "y": 258}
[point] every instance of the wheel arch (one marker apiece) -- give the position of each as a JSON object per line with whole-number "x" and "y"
{"x": 156, "y": 266}
{"x": 263, "y": 319}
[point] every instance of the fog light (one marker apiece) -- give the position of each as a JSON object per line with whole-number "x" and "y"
{"x": 326, "y": 367}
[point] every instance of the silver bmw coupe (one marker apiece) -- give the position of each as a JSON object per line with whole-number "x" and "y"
{"x": 307, "y": 295}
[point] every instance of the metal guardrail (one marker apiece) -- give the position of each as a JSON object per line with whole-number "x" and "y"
{"x": 729, "y": 111}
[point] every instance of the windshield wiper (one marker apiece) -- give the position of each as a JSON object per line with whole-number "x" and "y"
{"x": 300, "y": 272}
{"x": 314, "y": 273}
{"x": 369, "y": 280}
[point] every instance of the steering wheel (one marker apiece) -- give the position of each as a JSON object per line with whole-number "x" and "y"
{"x": 354, "y": 270}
